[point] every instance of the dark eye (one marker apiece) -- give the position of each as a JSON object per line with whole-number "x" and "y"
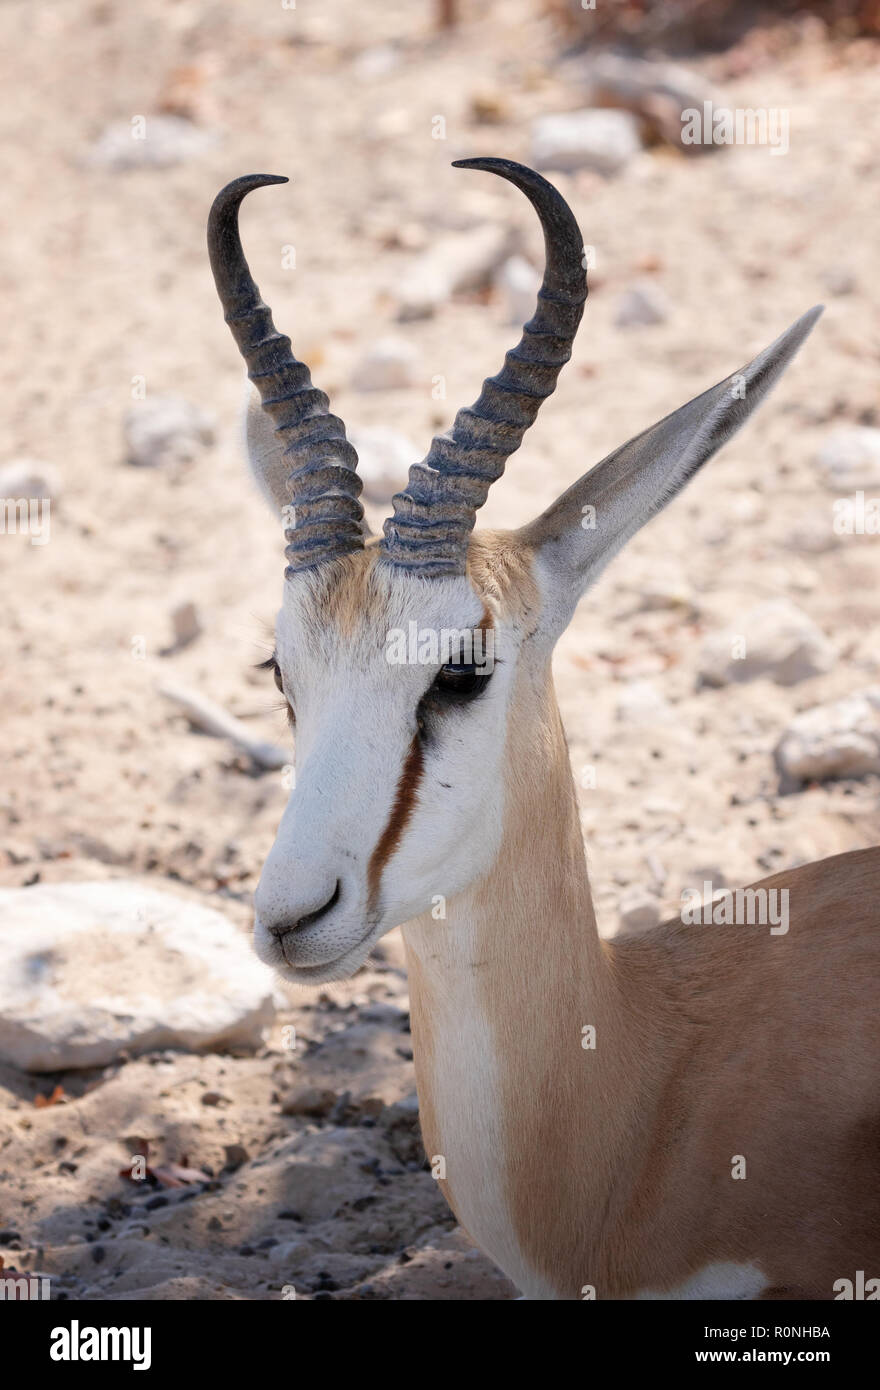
{"x": 272, "y": 665}
{"x": 460, "y": 681}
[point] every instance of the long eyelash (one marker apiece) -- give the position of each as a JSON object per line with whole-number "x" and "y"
{"x": 271, "y": 664}
{"x": 284, "y": 705}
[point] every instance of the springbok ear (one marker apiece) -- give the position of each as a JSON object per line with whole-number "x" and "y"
{"x": 577, "y": 536}
{"x": 265, "y": 451}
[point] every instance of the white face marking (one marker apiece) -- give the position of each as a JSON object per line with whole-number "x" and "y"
{"x": 356, "y": 722}
{"x": 725, "y": 1280}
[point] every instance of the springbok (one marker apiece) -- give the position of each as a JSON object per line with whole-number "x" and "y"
{"x": 691, "y": 1113}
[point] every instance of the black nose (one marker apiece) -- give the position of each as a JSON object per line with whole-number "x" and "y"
{"x": 280, "y": 929}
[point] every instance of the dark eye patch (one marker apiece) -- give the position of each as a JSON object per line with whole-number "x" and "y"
{"x": 456, "y": 684}
{"x": 459, "y": 681}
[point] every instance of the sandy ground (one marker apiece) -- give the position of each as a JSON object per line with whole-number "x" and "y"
{"x": 106, "y": 279}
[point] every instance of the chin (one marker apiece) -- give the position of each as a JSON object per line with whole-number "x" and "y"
{"x": 342, "y": 967}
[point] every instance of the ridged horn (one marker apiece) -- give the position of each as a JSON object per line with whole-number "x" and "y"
{"x": 435, "y": 514}
{"x": 323, "y": 482}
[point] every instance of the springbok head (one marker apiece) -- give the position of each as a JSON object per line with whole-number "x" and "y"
{"x": 412, "y": 663}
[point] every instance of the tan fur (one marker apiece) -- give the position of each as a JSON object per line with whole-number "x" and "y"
{"x": 712, "y": 1042}
{"x": 501, "y": 571}
{"x": 423, "y": 1033}
{"x": 344, "y": 597}
{"x": 612, "y": 1168}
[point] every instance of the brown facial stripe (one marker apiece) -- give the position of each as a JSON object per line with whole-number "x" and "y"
{"x": 404, "y": 801}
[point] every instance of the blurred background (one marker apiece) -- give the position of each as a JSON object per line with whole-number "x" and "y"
{"x": 719, "y": 686}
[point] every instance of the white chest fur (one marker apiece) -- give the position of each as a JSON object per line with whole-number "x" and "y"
{"x": 462, "y": 1073}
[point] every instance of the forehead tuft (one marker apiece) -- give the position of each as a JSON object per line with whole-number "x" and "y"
{"x": 341, "y": 594}
{"x": 363, "y": 593}
{"x": 360, "y": 597}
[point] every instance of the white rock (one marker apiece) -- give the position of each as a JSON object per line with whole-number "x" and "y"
{"x": 795, "y": 575}
{"x": 456, "y": 262}
{"x": 640, "y": 702}
{"x": 661, "y": 806}
{"x": 519, "y": 282}
{"x": 94, "y": 969}
{"x": 375, "y": 62}
{"x": 24, "y": 477}
{"x": 643, "y": 303}
{"x": 638, "y": 912}
{"x": 384, "y": 458}
{"x": 746, "y": 508}
{"x": 776, "y": 640}
{"x": 161, "y": 142}
{"x": 841, "y": 739}
{"x": 591, "y": 139}
{"x": 850, "y": 459}
{"x": 811, "y": 536}
{"x": 166, "y": 430}
{"x": 388, "y": 365}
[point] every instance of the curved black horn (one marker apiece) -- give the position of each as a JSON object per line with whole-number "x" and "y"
{"x": 323, "y": 484}
{"x": 434, "y": 516}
